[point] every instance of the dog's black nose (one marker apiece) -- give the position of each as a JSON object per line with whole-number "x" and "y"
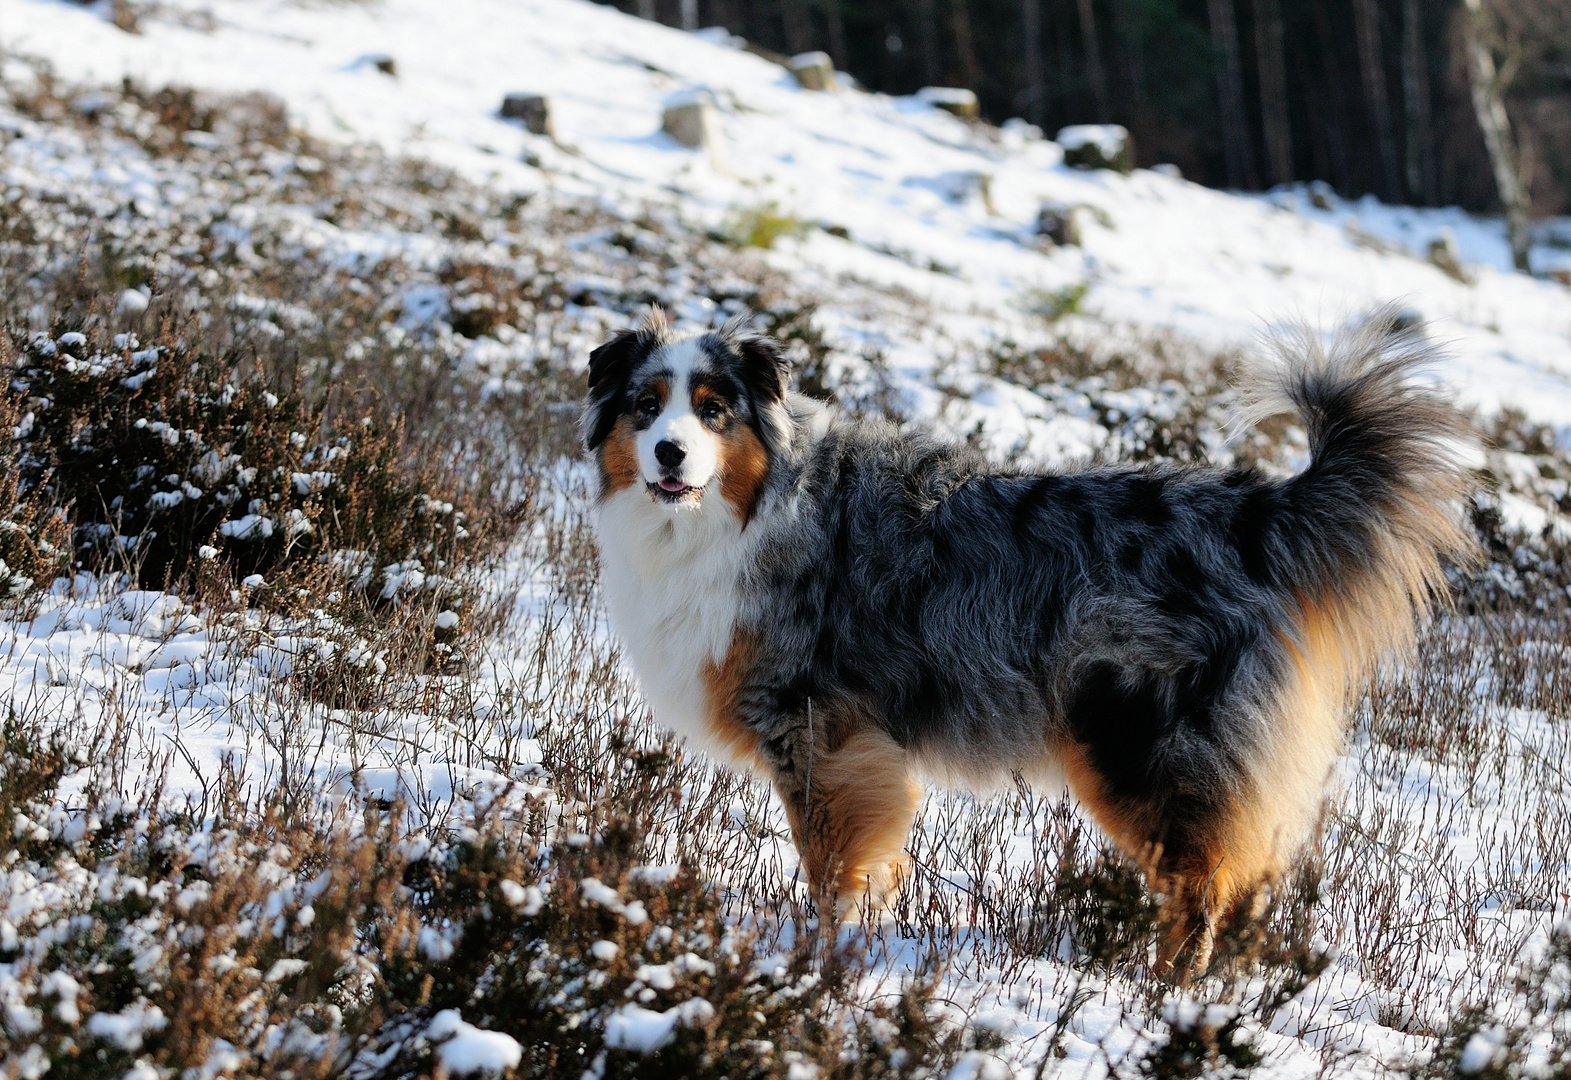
{"x": 669, "y": 453}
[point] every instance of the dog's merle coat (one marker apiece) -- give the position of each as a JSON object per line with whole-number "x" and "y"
{"x": 845, "y": 606}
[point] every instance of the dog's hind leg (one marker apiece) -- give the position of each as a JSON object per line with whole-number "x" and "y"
{"x": 1201, "y": 887}
{"x": 1197, "y": 850}
{"x": 1219, "y": 864}
{"x": 850, "y": 797}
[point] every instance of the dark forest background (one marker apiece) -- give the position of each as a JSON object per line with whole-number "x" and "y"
{"x": 1368, "y": 95}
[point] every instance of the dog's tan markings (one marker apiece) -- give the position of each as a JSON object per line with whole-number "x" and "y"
{"x": 703, "y": 393}
{"x": 619, "y": 458}
{"x": 722, "y": 684}
{"x": 851, "y": 827}
{"x": 1201, "y": 886}
{"x": 1124, "y": 823}
{"x": 661, "y": 389}
{"x": 743, "y": 464}
{"x": 1298, "y": 740}
{"x": 1200, "y": 893}
{"x": 1311, "y": 703}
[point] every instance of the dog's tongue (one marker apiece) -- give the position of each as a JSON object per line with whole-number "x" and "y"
{"x": 669, "y": 484}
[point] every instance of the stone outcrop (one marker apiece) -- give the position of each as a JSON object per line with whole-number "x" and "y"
{"x": 533, "y": 109}
{"x": 952, "y": 99}
{"x": 1097, "y": 146}
{"x": 692, "y": 122}
{"x": 813, "y": 70}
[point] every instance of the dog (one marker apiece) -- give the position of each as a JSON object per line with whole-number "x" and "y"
{"x": 844, "y": 606}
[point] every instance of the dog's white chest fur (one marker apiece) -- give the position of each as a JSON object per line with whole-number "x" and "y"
{"x": 671, "y": 583}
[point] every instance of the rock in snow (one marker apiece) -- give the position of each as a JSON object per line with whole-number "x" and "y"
{"x": 1443, "y": 253}
{"x": 1097, "y": 146}
{"x": 692, "y": 121}
{"x": 1058, "y": 223}
{"x": 533, "y": 109}
{"x": 814, "y": 70}
{"x": 952, "y": 99}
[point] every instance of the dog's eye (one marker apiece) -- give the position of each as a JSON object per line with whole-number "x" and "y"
{"x": 648, "y": 405}
{"x": 711, "y": 411}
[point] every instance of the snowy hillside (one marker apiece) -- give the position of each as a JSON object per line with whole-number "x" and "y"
{"x": 904, "y": 181}
{"x": 323, "y": 760}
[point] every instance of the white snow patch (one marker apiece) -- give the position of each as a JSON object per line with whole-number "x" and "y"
{"x": 465, "y": 1049}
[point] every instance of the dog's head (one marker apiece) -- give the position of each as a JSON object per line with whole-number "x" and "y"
{"x": 687, "y": 419}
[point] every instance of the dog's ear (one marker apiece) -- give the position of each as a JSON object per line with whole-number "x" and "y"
{"x": 611, "y": 362}
{"x": 610, "y": 366}
{"x": 765, "y": 369}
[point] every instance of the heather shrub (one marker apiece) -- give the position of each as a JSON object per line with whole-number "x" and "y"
{"x": 332, "y": 940}
{"x": 165, "y": 457}
{"x": 1526, "y": 1033}
{"x": 35, "y": 538}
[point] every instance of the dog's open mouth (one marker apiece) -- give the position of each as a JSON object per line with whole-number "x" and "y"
{"x": 672, "y": 490}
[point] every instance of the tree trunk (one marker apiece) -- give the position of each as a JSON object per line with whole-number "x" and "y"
{"x": 1371, "y": 64}
{"x": 1230, "y": 89}
{"x": 1031, "y": 27}
{"x": 1127, "y": 27}
{"x": 1489, "y": 106}
{"x": 1332, "y": 117}
{"x": 1273, "y": 92}
{"x": 1092, "y": 48}
{"x": 965, "y": 52}
{"x": 689, "y": 15}
{"x": 932, "y": 63}
{"x": 646, "y": 10}
{"x": 1070, "y": 73}
{"x": 798, "y": 25}
{"x": 837, "y": 34}
{"x": 1419, "y": 143}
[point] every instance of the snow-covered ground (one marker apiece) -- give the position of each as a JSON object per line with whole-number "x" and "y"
{"x": 923, "y": 267}
{"x": 914, "y": 188}
{"x": 212, "y": 693}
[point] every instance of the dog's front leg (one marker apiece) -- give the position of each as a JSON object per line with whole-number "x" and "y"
{"x": 850, "y": 798}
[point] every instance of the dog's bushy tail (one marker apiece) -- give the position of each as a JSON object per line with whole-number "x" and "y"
{"x": 1363, "y": 534}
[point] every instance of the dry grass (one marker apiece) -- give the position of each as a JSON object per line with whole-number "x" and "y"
{"x": 322, "y": 940}
{"x": 403, "y": 766}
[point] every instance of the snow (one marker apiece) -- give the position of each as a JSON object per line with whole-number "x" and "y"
{"x": 466, "y": 1049}
{"x": 206, "y": 692}
{"x": 247, "y": 527}
{"x": 932, "y": 208}
{"x": 126, "y": 1028}
{"x": 1173, "y": 256}
{"x": 132, "y": 302}
{"x": 1108, "y": 138}
{"x": 287, "y": 968}
{"x": 1480, "y": 1050}
{"x": 656, "y": 876}
{"x": 644, "y": 1031}
{"x": 62, "y": 986}
{"x": 640, "y": 1030}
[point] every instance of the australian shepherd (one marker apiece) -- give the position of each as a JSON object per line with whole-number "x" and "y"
{"x": 845, "y": 606}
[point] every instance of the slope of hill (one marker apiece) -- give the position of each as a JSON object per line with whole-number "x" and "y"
{"x": 927, "y": 202}
{"x": 196, "y": 756}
